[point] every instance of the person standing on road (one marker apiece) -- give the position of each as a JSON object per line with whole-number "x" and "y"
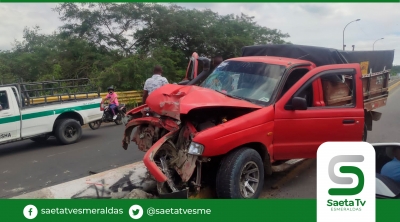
{"x": 113, "y": 97}
{"x": 153, "y": 83}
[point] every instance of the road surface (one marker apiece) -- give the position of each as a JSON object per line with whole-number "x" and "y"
{"x": 27, "y": 166}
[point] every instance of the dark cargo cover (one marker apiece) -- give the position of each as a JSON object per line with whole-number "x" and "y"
{"x": 378, "y": 60}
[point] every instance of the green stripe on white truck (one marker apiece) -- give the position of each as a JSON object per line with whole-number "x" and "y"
{"x": 10, "y": 119}
{"x": 48, "y": 113}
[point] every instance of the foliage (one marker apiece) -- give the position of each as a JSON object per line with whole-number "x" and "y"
{"x": 395, "y": 70}
{"x": 132, "y": 72}
{"x": 120, "y": 43}
{"x": 204, "y": 32}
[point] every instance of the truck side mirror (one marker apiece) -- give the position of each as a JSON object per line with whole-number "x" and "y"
{"x": 299, "y": 103}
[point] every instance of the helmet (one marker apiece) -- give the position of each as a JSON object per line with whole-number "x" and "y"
{"x": 110, "y": 88}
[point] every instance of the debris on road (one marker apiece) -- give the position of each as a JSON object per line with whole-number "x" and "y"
{"x": 139, "y": 194}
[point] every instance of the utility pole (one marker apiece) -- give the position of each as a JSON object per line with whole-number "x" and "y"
{"x": 373, "y": 45}
{"x": 345, "y": 29}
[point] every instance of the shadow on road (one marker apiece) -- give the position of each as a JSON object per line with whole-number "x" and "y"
{"x": 29, "y": 145}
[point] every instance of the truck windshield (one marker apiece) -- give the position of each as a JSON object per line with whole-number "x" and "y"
{"x": 251, "y": 81}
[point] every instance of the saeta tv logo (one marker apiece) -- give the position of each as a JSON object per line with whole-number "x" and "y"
{"x": 346, "y": 181}
{"x": 346, "y": 170}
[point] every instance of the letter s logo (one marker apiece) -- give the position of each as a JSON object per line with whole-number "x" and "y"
{"x": 346, "y": 180}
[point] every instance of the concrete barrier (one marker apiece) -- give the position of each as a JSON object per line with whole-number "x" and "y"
{"x": 113, "y": 183}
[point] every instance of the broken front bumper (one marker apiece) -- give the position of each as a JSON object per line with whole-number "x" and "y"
{"x": 168, "y": 124}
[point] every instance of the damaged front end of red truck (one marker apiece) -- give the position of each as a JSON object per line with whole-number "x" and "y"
{"x": 166, "y": 128}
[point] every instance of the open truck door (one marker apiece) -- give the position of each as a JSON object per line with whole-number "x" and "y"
{"x": 192, "y": 69}
{"x": 302, "y": 126}
{"x": 197, "y": 71}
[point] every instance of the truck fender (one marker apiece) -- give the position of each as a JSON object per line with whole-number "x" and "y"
{"x": 263, "y": 151}
{"x": 68, "y": 115}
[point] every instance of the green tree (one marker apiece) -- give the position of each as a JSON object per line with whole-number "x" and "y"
{"x": 47, "y": 57}
{"x": 131, "y": 72}
{"x": 203, "y": 31}
{"x": 120, "y": 43}
{"x": 395, "y": 70}
{"x": 137, "y": 28}
{"x": 110, "y": 25}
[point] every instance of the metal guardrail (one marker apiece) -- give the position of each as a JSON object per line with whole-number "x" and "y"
{"x": 393, "y": 85}
{"x": 123, "y": 97}
{"x": 127, "y": 97}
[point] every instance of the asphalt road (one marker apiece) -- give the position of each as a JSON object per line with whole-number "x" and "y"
{"x": 27, "y": 166}
{"x": 303, "y": 182}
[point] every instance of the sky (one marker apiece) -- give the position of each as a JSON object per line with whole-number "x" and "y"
{"x": 307, "y": 24}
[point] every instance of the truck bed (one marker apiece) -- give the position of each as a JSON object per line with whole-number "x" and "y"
{"x": 39, "y": 94}
{"x": 375, "y": 89}
{"x": 53, "y": 100}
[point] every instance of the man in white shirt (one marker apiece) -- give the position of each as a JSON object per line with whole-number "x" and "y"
{"x": 153, "y": 83}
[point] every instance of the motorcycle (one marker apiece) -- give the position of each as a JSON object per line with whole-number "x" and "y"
{"x": 386, "y": 188}
{"x": 108, "y": 116}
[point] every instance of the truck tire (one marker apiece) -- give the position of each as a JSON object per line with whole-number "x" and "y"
{"x": 68, "y": 131}
{"x": 240, "y": 175}
{"x": 40, "y": 139}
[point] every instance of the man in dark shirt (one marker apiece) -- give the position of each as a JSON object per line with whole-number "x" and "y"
{"x": 216, "y": 61}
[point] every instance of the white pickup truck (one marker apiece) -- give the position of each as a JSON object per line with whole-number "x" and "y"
{"x": 52, "y": 108}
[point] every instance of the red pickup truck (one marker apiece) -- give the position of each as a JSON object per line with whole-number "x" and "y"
{"x": 253, "y": 114}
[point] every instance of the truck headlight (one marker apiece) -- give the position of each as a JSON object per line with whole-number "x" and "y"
{"x": 196, "y": 149}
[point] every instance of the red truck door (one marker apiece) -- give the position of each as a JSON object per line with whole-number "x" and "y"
{"x": 191, "y": 71}
{"x": 302, "y": 126}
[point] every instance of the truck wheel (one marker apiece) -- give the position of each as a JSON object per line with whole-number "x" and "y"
{"x": 240, "y": 175}
{"x": 40, "y": 139}
{"x": 365, "y": 134}
{"x": 68, "y": 131}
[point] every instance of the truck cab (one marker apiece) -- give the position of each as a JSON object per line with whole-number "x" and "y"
{"x": 9, "y": 115}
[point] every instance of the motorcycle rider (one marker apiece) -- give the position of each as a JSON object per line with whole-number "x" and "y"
{"x": 113, "y": 97}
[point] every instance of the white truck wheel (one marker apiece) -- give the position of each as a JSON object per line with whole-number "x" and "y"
{"x": 68, "y": 131}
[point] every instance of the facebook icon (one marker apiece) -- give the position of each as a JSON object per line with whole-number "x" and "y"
{"x": 30, "y": 212}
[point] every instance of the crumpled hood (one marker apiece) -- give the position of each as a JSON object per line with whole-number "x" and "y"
{"x": 172, "y": 100}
